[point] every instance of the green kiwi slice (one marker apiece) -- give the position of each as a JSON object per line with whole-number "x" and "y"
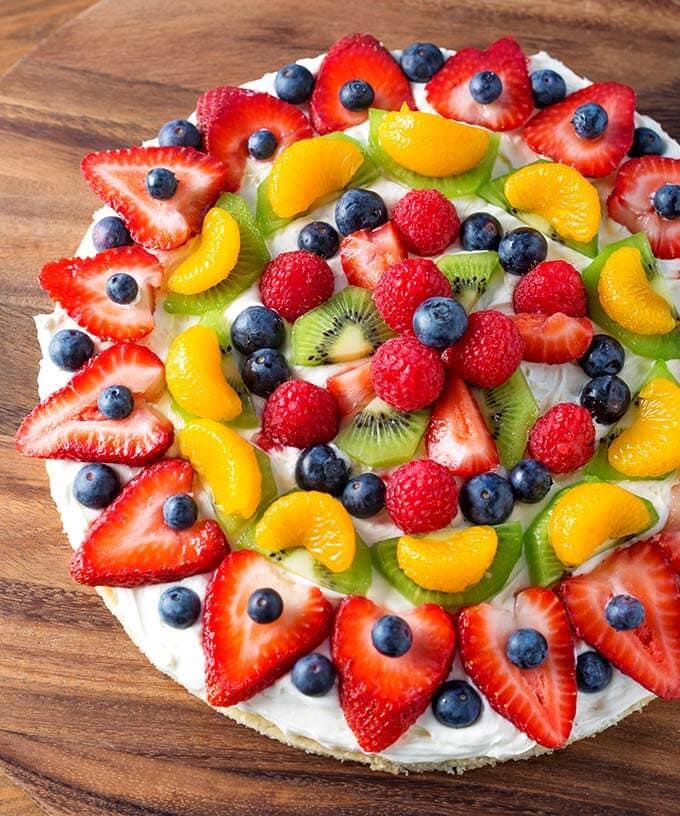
{"x": 509, "y": 548}
{"x": 346, "y": 327}
{"x": 470, "y": 274}
{"x": 510, "y": 411}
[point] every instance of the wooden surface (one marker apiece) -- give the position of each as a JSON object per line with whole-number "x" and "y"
{"x": 86, "y": 724}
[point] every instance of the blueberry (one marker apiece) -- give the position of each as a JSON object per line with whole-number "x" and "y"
{"x": 359, "y": 209}
{"x": 480, "y": 231}
{"x": 439, "y": 322}
{"x": 262, "y": 144}
{"x": 96, "y": 486}
{"x": 391, "y": 636}
{"x": 521, "y": 249}
{"x": 320, "y": 468}
{"x": 486, "y": 499}
{"x": 667, "y": 201}
{"x": 263, "y": 370}
{"x": 356, "y": 95}
{"x": 624, "y": 612}
{"x": 121, "y": 288}
{"x": 109, "y": 232}
{"x": 265, "y": 605}
{"x": 605, "y": 355}
{"x": 116, "y": 402}
{"x": 180, "y": 511}
{"x": 456, "y": 704}
{"x": 70, "y": 349}
{"x": 593, "y": 672}
{"x": 294, "y": 83}
{"x": 364, "y": 495}
{"x": 606, "y": 398}
{"x": 421, "y": 61}
{"x": 320, "y": 238}
{"x": 179, "y": 133}
{"x": 547, "y": 87}
{"x": 255, "y": 328}
{"x": 646, "y": 142}
{"x": 526, "y": 648}
{"x": 313, "y": 675}
{"x": 590, "y": 120}
{"x": 179, "y": 607}
{"x": 530, "y": 480}
{"x": 161, "y": 183}
{"x": 485, "y": 87}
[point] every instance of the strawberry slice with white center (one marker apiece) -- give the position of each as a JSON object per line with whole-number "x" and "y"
{"x": 243, "y": 657}
{"x": 650, "y": 653}
{"x": 540, "y": 701}
{"x": 130, "y": 544}
{"x": 68, "y": 425}
{"x": 668, "y": 540}
{"x": 352, "y": 389}
{"x": 79, "y": 286}
{"x": 228, "y": 116}
{"x": 366, "y": 254}
{"x": 118, "y": 177}
{"x": 551, "y": 132}
{"x": 631, "y": 202}
{"x": 449, "y": 90}
{"x": 382, "y": 696}
{"x": 358, "y": 56}
{"x": 556, "y": 338}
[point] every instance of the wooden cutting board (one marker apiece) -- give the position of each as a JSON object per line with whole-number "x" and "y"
{"x": 86, "y": 724}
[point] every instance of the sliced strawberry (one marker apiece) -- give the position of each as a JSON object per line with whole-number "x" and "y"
{"x": 631, "y": 202}
{"x": 449, "y": 90}
{"x": 227, "y": 116}
{"x": 352, "y": 389}
{"x": 552, "y": 134}
{"x": 118, "y": 177}
{"x": 668, "y": 540}
{"x": 244, "y": 657}
{"x": 650, "y": 654}
{"x": 457, "y": 436}
{"x": 67, "y": 424}
{"x": 381, "y": 697}
{"x": 366, "y": 254}
{"x": 555, "y": 338}
{"x": 358, "y": 56}
{"x": 541, "y": 702}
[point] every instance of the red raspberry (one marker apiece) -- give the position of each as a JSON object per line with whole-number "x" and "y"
{"x": 563, "y": 438}
{"x": 407, "y": 374}
{"x": 550, "y": 287}
{"x": 295, "y": 282}
{"x": 422, "y": 496}
{"x": 427, "y": 220}
{"x": 403, "y": 287}
{"x": 489, "y": 351}
{"x": 299, "y": 414}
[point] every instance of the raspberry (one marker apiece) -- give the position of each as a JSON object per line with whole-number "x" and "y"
{"x": 550, "y": 287}
{"x": 563, "y": 438}
{"x": 427, "y": 220}
{"x": 407, "y": 374}
{"x": 422, "y": 496}
{"x": 295, "y": 282}
{"x": 403, "y": 287}
{"x": 489, "y": 351}
{"x": 299, "y": 414}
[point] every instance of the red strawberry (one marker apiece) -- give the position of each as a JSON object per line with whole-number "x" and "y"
{"x": 352, "y": 388}
{"x": 555, "y": 338}
{"x": 541, "y": 702}
{"x": 650, "y": 654}
{"x": 118, "y": 177}
{"x": 79, "y": 286}
{"x": 129, "y": 544}
{"x": 457, "y": 436}
{"x": 552, "y": 134}
{"x": 358, "y": 56}
{"x": 669, "y": 538}
{"x": 381, "y": 697}
{"x": 366, "y": 254}
{"x": 631, "y": 203}
{"x": 227, "y": 116}
{"x": 244, "y": 657}
{"x": 67, "y": 425}
{"x": 449, "y": 90}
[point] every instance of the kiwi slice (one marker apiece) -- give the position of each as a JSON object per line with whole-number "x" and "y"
{"x": 509, "y": 548}
{"x": 233, "y": 525}
{"x": 220, "y": 325}
{"x": 510, "y": 411}
{"x": 469, "y": 274}
{"x": 346, "y": 327}
{"x": 380, "y": 436}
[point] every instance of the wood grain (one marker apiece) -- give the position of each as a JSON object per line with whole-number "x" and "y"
{"x": 85, "y": 723}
